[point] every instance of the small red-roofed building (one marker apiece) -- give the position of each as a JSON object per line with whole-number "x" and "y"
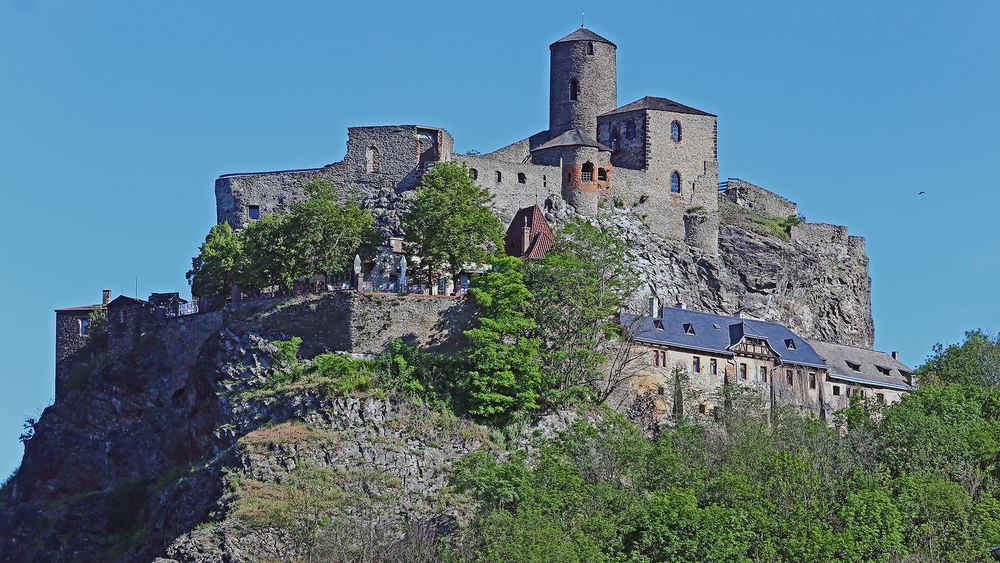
{"x": 529, "y": 234}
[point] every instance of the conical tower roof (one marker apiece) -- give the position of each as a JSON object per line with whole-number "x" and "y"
{"x": 584, "y": 34}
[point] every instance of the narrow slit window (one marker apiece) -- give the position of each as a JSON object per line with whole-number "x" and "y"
{"x": 372, "y": 159}
{"x": 521, "y": 178}
{"x": 713, "y": 366}
{"x": 602, "y": 175}
{"x": 590, "y": 48}
{"x": 696, "y": 364}
{"x": 812, "y": 380}
{"x": 789, "y": 377}
{"x": 743, "y": 372}
{"x": 574, "y": 90}
{"x": 499, "y": 176}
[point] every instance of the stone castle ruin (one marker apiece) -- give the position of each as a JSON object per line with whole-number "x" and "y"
{"x": 654, "y": 154}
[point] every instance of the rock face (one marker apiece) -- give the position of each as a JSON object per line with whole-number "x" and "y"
{"x": 126, "y": 467}
{"x": 815, "y": 281}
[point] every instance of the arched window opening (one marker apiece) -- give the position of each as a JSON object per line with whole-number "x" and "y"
{"x": 521, "y": 178}
{"x": 473, "y": 173}
{"x": 371, "y": 159}
{"x": 545, "y": 182}
{"x": 587, "y": 172}
{"x": 602, "y": 175}
{"x": 616, "y": 139}
{"x": 675, "y": 182}
{"x": 630, "y": 129}
{"x": 499, "y": 176}
{"x": 675, "y": 131}
{"x": 590, "y": 48}
{"x": 574, "y": 89}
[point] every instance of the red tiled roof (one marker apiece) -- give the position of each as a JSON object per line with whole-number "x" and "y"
{"x": 541, "y": 237}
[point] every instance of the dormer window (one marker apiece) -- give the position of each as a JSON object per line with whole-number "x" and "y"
{"x": 853, "y": 366}
{"x": 574, "y": 90}
{"x": 658, "y": 324}
{"x": 884, "y": 370}
{"x": 689, "y": 329}
{"x": 789, "y": 343}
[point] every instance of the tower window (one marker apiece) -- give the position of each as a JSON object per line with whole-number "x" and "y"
{"x": 630, "y": 129}
{"x": 473, "y": 173}
{"x": 574, "y": 89}
{"x": 675, "y": 131}
{"x": 254, "y": 212}
{"x": 521, "y": 178}
{"x": 602, "y": 174}
{"x": 499, "y": 176}
{"x": 587, "y": 172}
{"x": 545, "y": 182}
{"x": 590, "y": 48}
{"x": 372, "y": 160}
{"x": 675, "y": 182}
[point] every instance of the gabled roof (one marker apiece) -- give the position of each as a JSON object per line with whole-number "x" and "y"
{"x": 572, "y": 138}
{"x": 838, "y": 358}
{"x": 584, "y": 34}
{"x": 659, "y": 104}
{"x": 719, "y": 334}
{"x": 123, "y": 300}
{"x": 542, "y": 238}
{"x": 83, "y": 308}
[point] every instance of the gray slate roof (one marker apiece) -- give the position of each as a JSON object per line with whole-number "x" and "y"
{"x": 584, "y": 34}
{"x": 719, "y": 333}
{"x": 572, "y": 138}
{"x": 869, "y": 361}
{"x": 660, "y": 104}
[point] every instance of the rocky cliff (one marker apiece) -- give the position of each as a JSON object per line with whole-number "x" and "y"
{"x": 153, "y": 454}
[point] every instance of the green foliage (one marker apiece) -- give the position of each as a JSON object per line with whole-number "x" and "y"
{"x": 269, "y": 248}
{"x": 345, "y": 375}
{"x": 450, "y": 223}
{"x": 739, "y": 489}
{"x": 974, "y": 362}
{"x": 504, "y": 375}
{"x": 319, "y": 236}
{"x": 97, "y": 327}
{"x": 328, "y": 230}
{"x": 578, "y": 290}
{"x": 217, "y": 266}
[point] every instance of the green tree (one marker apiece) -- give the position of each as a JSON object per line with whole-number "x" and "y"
{"x": 217, "y": 266}
{"x": 976, "y": 362}
{"x": 269, "y": 254}
{"x": 450, "y": 223}
{"x": 327, "y": 229}
{"x": 579, "y": 289}
{"x": 504, "y": 376}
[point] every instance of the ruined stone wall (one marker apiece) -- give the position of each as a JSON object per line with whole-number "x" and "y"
{"x": 629, "y": 153}
{"x": 754, "y": 197}
{"x": 367, "y": 323}
{"x": 541, "y": 183}
{"x": 72, "y": 352}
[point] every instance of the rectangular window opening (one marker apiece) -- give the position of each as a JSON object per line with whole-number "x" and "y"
{"x": 254, "y": 212}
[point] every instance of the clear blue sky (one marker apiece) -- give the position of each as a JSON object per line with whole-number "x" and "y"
{"x": 117, "y": 116}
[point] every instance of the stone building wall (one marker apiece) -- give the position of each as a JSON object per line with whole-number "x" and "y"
{"x": 629, "y": 153}
{"x": 72, "y": 350}
{"x": 368, "y": 323}
{"x": 540, "y": 183}
{"x": 754, "y": 197}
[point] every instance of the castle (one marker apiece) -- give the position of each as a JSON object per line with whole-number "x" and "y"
{"x": 654, "y": 155}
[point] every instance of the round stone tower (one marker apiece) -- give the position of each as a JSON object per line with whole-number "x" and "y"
{"x": 583, "y": 82}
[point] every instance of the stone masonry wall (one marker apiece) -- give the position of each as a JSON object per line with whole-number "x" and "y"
{"x": 596, "y": 75}
{"x": 630, "y": 153}
{"x": 367, "y": 323}
{"x": 754, "y": 197}
{"x": 541, "y": 183}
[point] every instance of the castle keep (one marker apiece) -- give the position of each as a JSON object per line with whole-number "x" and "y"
{"x": 654, "y": 155}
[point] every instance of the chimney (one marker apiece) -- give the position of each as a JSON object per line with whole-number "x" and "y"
{"x": 105, "y": 297}
{"x": 654, "y": 307}
{"x": 525, "y": 237}
{"x": 895, "y": 356}
{"x": 681, "y": 305}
